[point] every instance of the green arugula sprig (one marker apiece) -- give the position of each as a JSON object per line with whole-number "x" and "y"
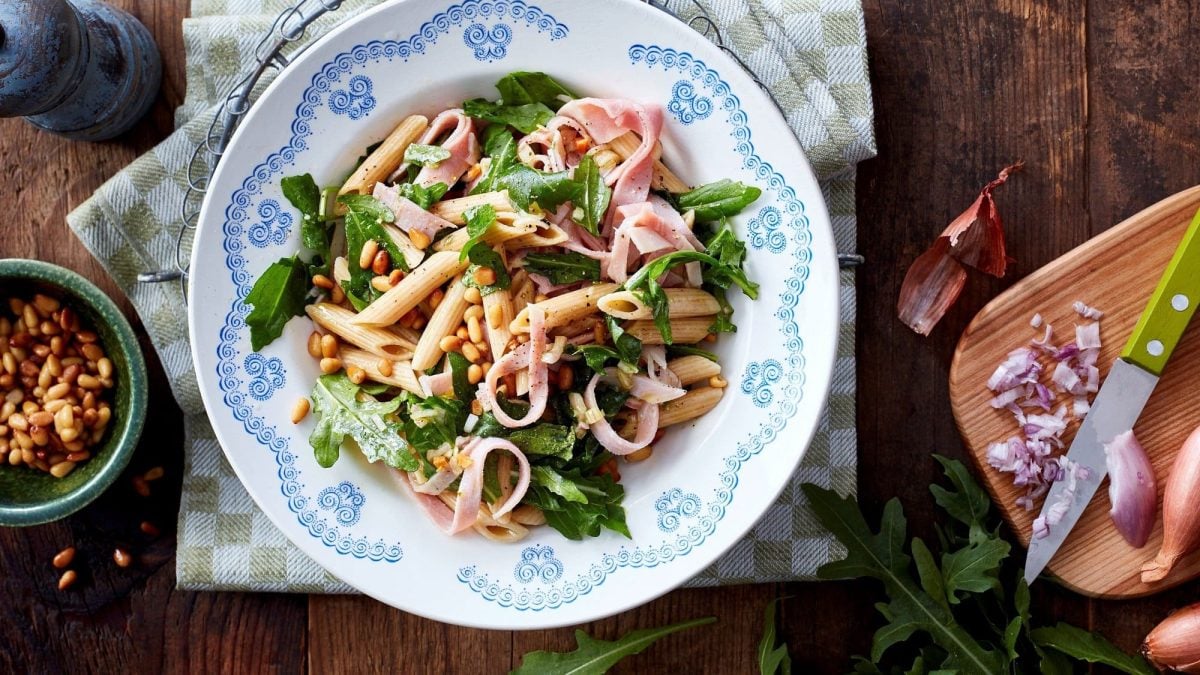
{"x": 644, "y": 282}
{"x": 722, "y": 199}
{"x": 343, "y": 409}
{"x": 595, "y": 657}
{"x": 279, "y": 294}
{"x": 425, "y": 155}
{"x": 772, "y": 658}
{"x": 956, "y": 612}
{"x": 563, "y": 268}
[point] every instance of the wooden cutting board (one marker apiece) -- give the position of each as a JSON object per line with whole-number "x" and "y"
{"x": 1115, "y": 272}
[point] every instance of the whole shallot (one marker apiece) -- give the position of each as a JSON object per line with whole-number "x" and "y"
{"x": 1175, "y": 643}
{"x": 1131, "y": 488}
{"x": 1181, "y": 511}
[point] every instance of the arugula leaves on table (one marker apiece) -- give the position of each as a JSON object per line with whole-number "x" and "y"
{"x": 955, "y": 612}
{"x": 425, "y": 155}
{"x": 595, "y": 657}
{"x": 280, "y": 293}
{"x": 591, "y": 196}
{"x": 563, "y": 268}
{"x": 772, "y": 658}
{"x": 717, "y": 273}
{"x": 420, "y": 195}
{"x": 525, "y": 118}
{"x": 485, "y": 256}
{"x": 365, "y": 216}
{"x": 718, "y": 200}
{"x": 343, "y": 409}
{"x": 479, "y": 219}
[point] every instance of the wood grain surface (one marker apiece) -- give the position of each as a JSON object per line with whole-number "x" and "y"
{"x": 1097, "y": 97}
{"x": 1116, "y": 271}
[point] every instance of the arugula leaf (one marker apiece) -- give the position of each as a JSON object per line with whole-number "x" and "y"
{"x": 479, "y": 218}
{"x": 575, "y": 520}
{"x": 342, "y": 409}
{"x": 501, "y": 147}
{"x": 596, "y": 356}
{"x": 423, "y": 197}
{"x": 527, "y": 186}
{"x": 717, "y": 200}
{"x": 610, "y": 400}
{"x": 595, "y": 657}
{"x": 280, "y": 293}
{"x": 928, "y": 572}
{"x": 459, "y": 365}
{"x": 485, "y": 256}
{"x": 425, "y": 155}
{"x": 544, "y": 476}
{"x": 771, "y": 658}
{"x": 968, "y": 504}
{"x": 645, "y": 283}
{"x": 433, "y": 421}
{"x": 544, "y": 440}
{"x": 1086, "y": 646}
{"x": 521, "y": 87}
{"x": 302, "y": 192}
{"x": 687, "y": 350}
{"x": 315, "y": 234}
{"x": 365, "y": 216}
{"x": 881, "y": 556}
{"x": 974, "y": 568}
{"x": 525, "y": 118}
{"x": 628, "y": 346}
{"x": 591, "y": 195}
{"x": 563, "y": 268}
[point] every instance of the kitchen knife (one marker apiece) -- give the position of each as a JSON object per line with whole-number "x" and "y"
{"x": 1124, "y": 393}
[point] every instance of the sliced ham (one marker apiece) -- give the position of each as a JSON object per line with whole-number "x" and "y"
{"x": 657, "y": 226}
{"x": 647, "y": 421}
{"x": 525, "y": 358}
{"x": 470, "y": 488}
{"x": 552, "y": 147}
{"x": 409, "y": 216}
{"x": 461, "y": 142}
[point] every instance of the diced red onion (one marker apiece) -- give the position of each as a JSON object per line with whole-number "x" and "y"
{"x": 1036, "y": 321}
{"x": 1088, "y": 336}
{"x": 1085, "y": 311}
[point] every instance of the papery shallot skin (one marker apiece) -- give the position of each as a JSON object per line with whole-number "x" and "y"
{"x": 1174, "y": 644}
{"x": 1132, "y": 488}
{"x": 1181, "y": 511}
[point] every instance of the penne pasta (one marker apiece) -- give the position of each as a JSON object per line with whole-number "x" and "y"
{"x": 688, "y": 407}
{"x": 453, "y": 210}
{"x": 412, "y": 255}
{"x": 566, "y": 308}
{"x": 445, "y": 318}
{"x": 380, "y": 163}
{"x": 499, "y": 233}
{"x": 387, "y": 309}
{"x": 682, "y": 302}
{"x": 551, "y": 235}
{"x": 340, "y": 321}
{"x": 685, "y": 331}
{"x": 402, "y": 375}
{"x": 498, "y": 313}
{"x": 486, "y": 525}
{"x": 693, "y": 369}
{"x": 663, "y": 178}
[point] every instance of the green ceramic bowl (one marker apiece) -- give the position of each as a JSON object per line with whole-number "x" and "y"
{"x": 30, "y": 497}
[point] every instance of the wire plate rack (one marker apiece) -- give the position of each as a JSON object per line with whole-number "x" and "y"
{"x": 273, "y": 53}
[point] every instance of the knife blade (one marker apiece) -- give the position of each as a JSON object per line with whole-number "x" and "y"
{"x": 1123, "y": 395}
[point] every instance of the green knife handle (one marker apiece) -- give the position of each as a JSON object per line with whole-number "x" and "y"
{"x": 1171, "y": 307}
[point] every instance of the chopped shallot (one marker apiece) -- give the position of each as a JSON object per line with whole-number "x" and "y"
{"x": 974, "y": 239}
{"x": 1086, "y": 312}
{"x": 1036, "y": 321}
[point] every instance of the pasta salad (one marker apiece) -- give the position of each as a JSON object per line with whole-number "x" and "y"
{"x": 506, "y": 299}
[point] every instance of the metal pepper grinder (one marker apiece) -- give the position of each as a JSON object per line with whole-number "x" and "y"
{"x": 78, "y": 68}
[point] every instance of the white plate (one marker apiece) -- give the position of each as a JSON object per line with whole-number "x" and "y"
{"x": 706, "y": 483}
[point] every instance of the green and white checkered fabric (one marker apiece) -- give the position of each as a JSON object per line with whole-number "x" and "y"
{"x": 811, "y": 54}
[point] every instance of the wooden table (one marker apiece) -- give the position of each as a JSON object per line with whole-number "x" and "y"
{"x": 1098, "y": 98}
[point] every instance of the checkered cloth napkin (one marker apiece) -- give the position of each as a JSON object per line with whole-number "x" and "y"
{"x": 811, "y": 54}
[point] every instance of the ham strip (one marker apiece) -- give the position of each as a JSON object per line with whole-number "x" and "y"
{"x": 462, "y": 144}
{"x": 439, "y": 513}
{"x": 660, "y": 229}
{"x": 409, "y": 216}
{"x": 647, "y": 424}
{"x": 470, "y": 488}
{"x": 527, "y": 357}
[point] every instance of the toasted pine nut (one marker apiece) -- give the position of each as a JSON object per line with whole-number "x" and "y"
{"x": 473, "y": 295}
{"x": 330, "y": 365}
{"x": 450, "y": 343}
{"x": 300, "y": 410}
{"x": 471, "y": 352}
{"x": 92, "y": 352}
{"x": 474, "y": 330}
{"x": 419, "y": 321}
{"x": 355, "y": 374}
{"x": 462, "y": 333}
{"x": 495, "y": 315}
{"x": 395, "y": 276}
{"x": 485, "y": 366}
{"x": 474, "y": 311}
{"x": 80, "y": 456}
{"x": 122, "y": 558}
{"x": 639, "y": 455}
{"x": 711, "y": 337}
{"x": 717, "y": 382}
{"x": 322, "y": 281}
{"x": 149, "y": 528}
{"x": 329, "y": 346}
{"x": 63, "y": 558}
{"x": 154, "y": 474}
{"x": 88, "y": 381}
{"x": 338, "y": 296}
{"x": 314, "y": 345}
{"x": 140, "y": 486}
{"x": 435, "y": 298}
{"x": 381, "y": 263}
{"x": 18, "y": 422}
{"x": 67, "y": 319}
{"x": 46, "y": 304}
{"x": 566, "y": 377}
{"x": 62, "y": 469}
{"x": 41, "y": 419}
{"x": 474, "y": 373}
{"x": 68, "y": 435}
{"x": 385, "y": 367}
{"x": 476, "y": 407}
{"x": 381, "y": 283}
{"x": 104, "y": 367}
{"x": 367, "y": 255}
{"x": 65, "y": 581}
{"x": 419, "y": 239}
{"x": 31, "y": 318}
{"x": 485, "y": 276}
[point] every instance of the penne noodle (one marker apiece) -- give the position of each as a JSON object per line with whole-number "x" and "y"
{"x": 566, "y": 308}
{"x": 387, "y": 309}
{"x": 497, "y": 314}
{"x": 402, "y": 375}
{"x": 585, "y": 325}
{"x": 380, "y": 163}
{"x": 486, "y": 525}
{"x": 499, "y": 233}
{"x": 444, "y": 320}
{"x": 340, "y": 321}
{"x": 688, "y": 407}
{"x": 686, "y": 331}
{"x": 692, "y": 369}
{"x": 412, "y": 255}
{"x": 453, "y": 210}
{"x": 528, "y": 514}
{"x": 522, "y": 292}
{"x": 409, "y": 334}
{"x": 664, "y": 179}
{"x": 551, "y": 235}
{"x": 682, "y": 302}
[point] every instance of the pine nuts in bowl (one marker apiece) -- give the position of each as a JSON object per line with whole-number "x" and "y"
{"x": 72, "y": 392}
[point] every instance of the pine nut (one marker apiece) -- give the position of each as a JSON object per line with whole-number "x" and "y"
{"x": 462, "y": 334}
{"x": 474, "y": 311}
{"x": 469, "y": 351}
{"x": 140, "y": 486}
{"x": 68, "y": 435}
{"x": 367, "y": 255}
{"x": 122, "y": 558}
{"x": 55, "y": 365}
{"x": 31, "y": 318}
{"x": 450, "y": 343}
{"x": 476, "y": 407}
{"x": 44, "y": 377}
{"x": 18, "y": 422}
{"x": 14, "y": 457}
{"x": 154, "y": 474}
{"x": 41, "y": 419}
{"x": 474, "y": 373}
{"x": 300, "y": 410}
{"x": 58, "y": 391}
{"x": 640, "y": 455}
{"x": 485, "y": 366}
{"x": 381, "y": 284}
{"x": 53, "y": 406}
{"x": 330, "y": 365}
{"x": 395, "y": 276}
{"x": 149, "y": 528}
{"x": 474, "y": 330}
{"x": 40, "y": 436}
{"x": 46, "y": 304}
{"x": 495, "y": 315}
{"x": 717, "y": 382}
{"x": 566, "y": 377}
{"x": 66, "y": 580}
{"x": 419, "y": 321}
{"x": 63, "y": 558}
{"x": 71, "y": 372}
{"x": 329, "y": 346}
{"x": 338, "y": 296}
{"x": 473, "y": 295}
{"x": 435, "y": 298}
{"x": 49, "y": 328}
{"x": 80, "y": 456}
{"x": 355, "y": 374}
{"x": 10, "y": 363}
{"x": 62, "y": 469}
{"x": 104, "y": 367}
{"x": 711, "y": 337}
{"x": 314, "y": 345}
{"x": 381, "y": 263}
{"x": 67, "y": 319}
{"x": 92, "y": 352}
{"x": 88, "y": 381}
{"x": 419, "y": 239}
{"x": 485, "y": 276}
{"x": 385, "y": 367}
{"x": 322, "y": 281}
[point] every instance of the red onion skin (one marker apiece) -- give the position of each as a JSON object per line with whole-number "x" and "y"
{"x": 1131, "y": 489}
{"x": 1181, "y": 511}
{"x": 1175, "y": 643}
